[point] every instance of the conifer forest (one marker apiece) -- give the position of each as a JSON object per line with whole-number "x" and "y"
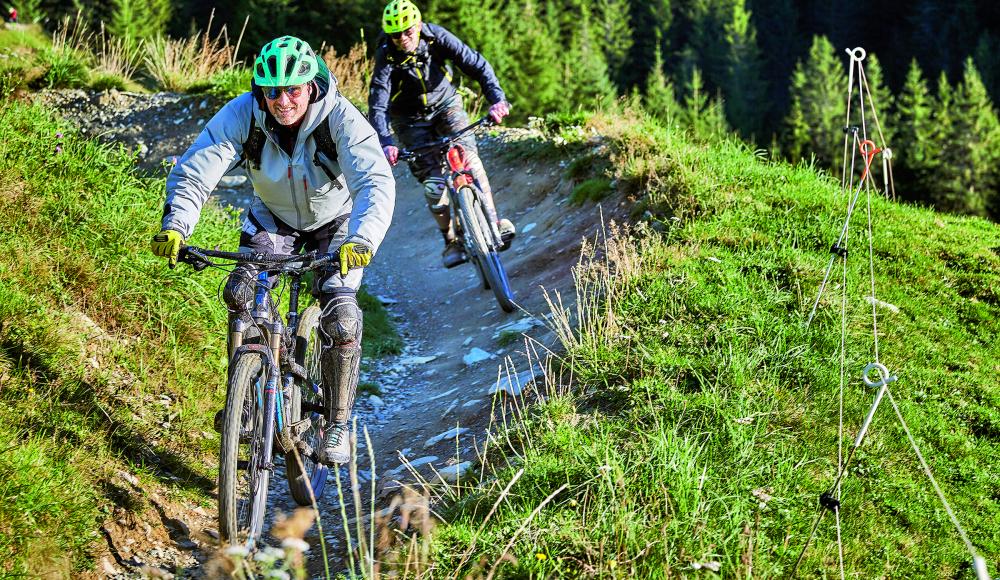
{"x": 773, "y": 72}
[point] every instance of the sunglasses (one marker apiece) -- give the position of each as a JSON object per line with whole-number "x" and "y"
{"x": 398, "y": 35}
{"x": 272, "y": 93}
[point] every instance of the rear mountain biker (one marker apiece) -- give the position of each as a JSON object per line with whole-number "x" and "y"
{"x": 411, "y": 90}
{"x": 304, "y": 178}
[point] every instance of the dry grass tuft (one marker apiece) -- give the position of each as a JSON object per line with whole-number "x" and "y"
{"x": 352, "y": 71}
{"x": 116, "y": 57}
{"x": 178, "y": 64}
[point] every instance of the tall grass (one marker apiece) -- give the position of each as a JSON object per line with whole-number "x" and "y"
{"x": 353, "y": 71}
{"x": 180, "y": 64}
{"x": 693, "y": 422}
{"x": 115, "y": 61}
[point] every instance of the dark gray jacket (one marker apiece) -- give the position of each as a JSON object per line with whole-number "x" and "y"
{"x": 415, "y": 84}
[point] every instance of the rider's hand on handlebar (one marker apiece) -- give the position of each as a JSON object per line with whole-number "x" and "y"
{"x": 354, "y": 255}
{"x": 391, "y": 153}
{"x": 498, "y": 111}
{"x": 167, "y": 244}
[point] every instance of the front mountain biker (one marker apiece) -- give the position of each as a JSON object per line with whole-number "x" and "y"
{"x": 411, "y": 90}
{"x": 302, "y": 201}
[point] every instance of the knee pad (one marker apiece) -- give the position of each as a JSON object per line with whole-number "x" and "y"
{"x": 341, "y": 322}
{"x": 433, "y": 192}
{"x": 239, "y": 290}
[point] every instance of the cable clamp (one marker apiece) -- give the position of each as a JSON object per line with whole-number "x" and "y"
{"x": 838, "y": 250}
{"x": 853, "y": 129}
{"x": 827, "y": 500}
{"x": 885, "y": 377}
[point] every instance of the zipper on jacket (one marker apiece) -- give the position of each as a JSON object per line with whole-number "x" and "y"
{"x": 423, "y": 86}
{"x": 291, "y": 187}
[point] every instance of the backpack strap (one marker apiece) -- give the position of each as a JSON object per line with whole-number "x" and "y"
{"x": 253, "y": 147}
{"x": 325, "y": 145}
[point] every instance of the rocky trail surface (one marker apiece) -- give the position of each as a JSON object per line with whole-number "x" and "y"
{"x": 436, "y": 398}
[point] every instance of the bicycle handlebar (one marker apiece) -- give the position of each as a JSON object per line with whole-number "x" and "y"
{"x": 411, "y": 152}
{"x": 199, "y": 259}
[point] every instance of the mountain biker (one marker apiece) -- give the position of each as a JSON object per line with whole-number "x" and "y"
{"x": 411, "y": 89}
{"x": 301, "y": 201}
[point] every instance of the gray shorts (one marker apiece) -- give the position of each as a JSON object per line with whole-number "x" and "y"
{"x": 264, "y": 232}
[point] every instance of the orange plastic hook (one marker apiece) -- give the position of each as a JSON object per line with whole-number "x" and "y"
{"x": 869, "y": 151}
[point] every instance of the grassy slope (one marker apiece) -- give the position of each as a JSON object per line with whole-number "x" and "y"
{"x": 709, "y": 329}
{"x": 95, "y": 336}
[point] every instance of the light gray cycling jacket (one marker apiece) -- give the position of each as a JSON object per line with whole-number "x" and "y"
{"x": 294, "y": 188}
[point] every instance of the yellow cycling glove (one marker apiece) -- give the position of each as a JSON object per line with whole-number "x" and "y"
{"x": 354, "y": 255}
{"x": 167, "y": 244}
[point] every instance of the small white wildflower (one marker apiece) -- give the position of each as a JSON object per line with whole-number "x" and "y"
{"x": 295, "y": 544}
{"x": 269, "y": 555}
{"x": 237, "y": 551}
{"x": 745, "y": 420}
{"x": 604, "y": 468}
{"x": 277, "y": 575}
{"x": 711, "y": 565}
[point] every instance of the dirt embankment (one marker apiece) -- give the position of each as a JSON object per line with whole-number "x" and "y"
{"x": 436, "y": 399}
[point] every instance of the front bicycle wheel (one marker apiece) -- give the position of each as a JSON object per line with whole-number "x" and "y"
{"x": 306, "y": 476}
{"x": 243, "y": 465}
{"x": 484, "y": 249}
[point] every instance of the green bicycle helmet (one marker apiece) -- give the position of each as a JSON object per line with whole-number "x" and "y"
{"x": 399, "y": 15}
{"x": 283, "y": 62}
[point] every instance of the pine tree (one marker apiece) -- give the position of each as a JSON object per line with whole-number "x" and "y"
{"x": 780, "y": 43}
{"x": 945, "y": 182}
{"x": 659, "y": 99}
{"x": 137, "y": 19}
{"x": 814, "y": 126}
{"x": 703, "y": 115}
{"x": 975, "y": 135}
{"x": 614, "y": 35}
{"x": 585, "y": 72}
{"x": 744, "y": 86}
{"x": 915, "y": 152}
{"x": 533, "y": 81}
{"x": 650, "y": 20}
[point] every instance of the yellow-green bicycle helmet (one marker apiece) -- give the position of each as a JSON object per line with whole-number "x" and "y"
{"x": 284, "y": 62}
{"x": 399, "y": 15}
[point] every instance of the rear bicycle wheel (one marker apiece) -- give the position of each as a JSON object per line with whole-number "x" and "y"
{"x": 306, "y": 476}
{"x": 485, "y": 248}
{"x": 243, "y": 475}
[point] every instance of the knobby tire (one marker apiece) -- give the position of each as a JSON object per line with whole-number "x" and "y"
{"x": 243, "y": 492}
{"x": 303, "y": 473}
{"x": 483, "y": 249}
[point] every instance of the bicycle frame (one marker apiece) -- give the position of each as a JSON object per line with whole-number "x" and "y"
{"x": 271, "y": 392}
{"x": 481, "y": 248}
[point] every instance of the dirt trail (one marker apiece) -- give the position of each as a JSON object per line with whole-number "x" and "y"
{"x": 442, "y": 314}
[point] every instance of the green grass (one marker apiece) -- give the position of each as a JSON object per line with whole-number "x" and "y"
{"x": 379, "y": 337}
{"x": 699, "y": 384}
{"x": 94, "y": 330}
{"x": 594, "y": 189}
{"x": 108, "y": 359}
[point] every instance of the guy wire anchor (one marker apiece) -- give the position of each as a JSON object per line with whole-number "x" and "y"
{"x": 885, "y": 377}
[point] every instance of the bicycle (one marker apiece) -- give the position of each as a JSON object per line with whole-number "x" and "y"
{"x": 480, "y": 236}
{"x": 260, "y": 418}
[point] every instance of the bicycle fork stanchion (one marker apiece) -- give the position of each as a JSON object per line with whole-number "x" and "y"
{"x": 272, "y": 417}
